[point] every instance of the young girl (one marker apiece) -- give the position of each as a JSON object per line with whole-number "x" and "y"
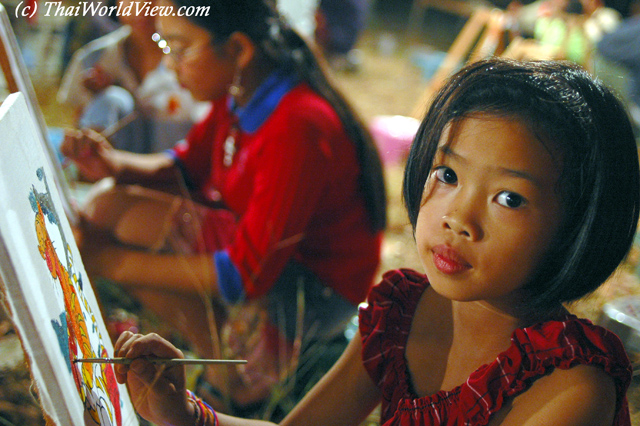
{"x": 523, "y": 190}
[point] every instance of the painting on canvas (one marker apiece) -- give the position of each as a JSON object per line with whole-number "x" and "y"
{"x": 46, "y": 290}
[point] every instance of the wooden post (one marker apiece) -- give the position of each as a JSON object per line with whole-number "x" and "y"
{"x": 456, "y": 56}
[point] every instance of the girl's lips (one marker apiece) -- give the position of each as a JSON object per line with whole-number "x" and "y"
{"x": 448, "y": 261}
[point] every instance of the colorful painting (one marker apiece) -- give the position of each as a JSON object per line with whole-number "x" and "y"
{"x": 77, "y": 331}
{"x": 46, "y": 289}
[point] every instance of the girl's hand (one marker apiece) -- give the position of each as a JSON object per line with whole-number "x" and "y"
{"x": 157, "y": 390}
{"x": 91, "y": 152}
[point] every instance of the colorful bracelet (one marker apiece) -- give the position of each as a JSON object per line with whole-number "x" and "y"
{"x": 205, "y": 415}
{"x": 197, "y": 410}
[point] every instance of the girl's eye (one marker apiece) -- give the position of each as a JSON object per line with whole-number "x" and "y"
{"x": 510, "y": 200}
{"x": 446, "y": 175}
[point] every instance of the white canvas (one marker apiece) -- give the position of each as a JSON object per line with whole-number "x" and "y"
{"x": 15, "y": 72}
{"x": 46, "y": 289}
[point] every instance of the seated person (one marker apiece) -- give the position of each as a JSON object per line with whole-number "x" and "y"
{"x": 569, "y": 28}
{"x": 120, "y": 76}
{"x": 285, "y": 238}
{"x": 618, "y": 63}
{"x": 339, "y": 25}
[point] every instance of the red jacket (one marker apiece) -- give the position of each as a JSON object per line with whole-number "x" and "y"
{"x": 293, "y": 184}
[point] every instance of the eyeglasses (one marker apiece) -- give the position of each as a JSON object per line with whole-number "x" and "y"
{"x": 178, "y": 54}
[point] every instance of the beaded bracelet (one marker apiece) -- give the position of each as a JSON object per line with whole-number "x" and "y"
{"x": 205, "y": 415}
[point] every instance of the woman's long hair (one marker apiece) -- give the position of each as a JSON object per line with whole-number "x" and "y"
{"x": 281, "y": 44}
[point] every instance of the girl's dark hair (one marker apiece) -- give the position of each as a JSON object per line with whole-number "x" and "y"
{"x": 599, "y": 185}
{"x": 260, "y": 20}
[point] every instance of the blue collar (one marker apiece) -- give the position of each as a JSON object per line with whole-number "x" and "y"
{"x": 264, "y": 100}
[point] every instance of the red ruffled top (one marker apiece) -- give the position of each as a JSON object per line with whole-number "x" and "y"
{"x": 385, "y": 324}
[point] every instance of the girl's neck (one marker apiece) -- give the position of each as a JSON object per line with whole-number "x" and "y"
{"x": 480, "y": 325}
{"x": 453, "y": 339}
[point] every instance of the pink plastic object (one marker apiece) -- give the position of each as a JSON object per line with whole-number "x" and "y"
{"x": 393, "y": 134}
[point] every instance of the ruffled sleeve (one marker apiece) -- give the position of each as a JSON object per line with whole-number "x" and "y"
{"x": 384, "y": 326}
{"x": 536, "y": 351}
{"x": 578, "y": 341}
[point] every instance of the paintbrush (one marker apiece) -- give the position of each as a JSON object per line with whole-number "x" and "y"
{"x": 107, "y": 133}
{"x": 115, "y": 127}
{"x": 166, "y": 361}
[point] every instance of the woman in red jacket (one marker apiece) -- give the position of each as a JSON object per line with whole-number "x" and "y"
{"x": 289, "y": 190}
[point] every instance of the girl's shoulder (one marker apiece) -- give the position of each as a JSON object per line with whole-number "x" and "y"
{"x": 390, "y": 306}
{"x": 385, "y": 321}
{"x": 569, "y": 352}
{"x": 395, "y": 296}
{"x": 591, "y": 395}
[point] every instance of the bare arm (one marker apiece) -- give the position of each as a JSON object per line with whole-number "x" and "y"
{"x": 144, "y": 168}
{"x": 344, "y": 396}
{"x": 580, "y": 396}
{"x": 97, "y": 159}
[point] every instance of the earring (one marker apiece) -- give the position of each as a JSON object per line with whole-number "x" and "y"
{"x": 236, "y": 89}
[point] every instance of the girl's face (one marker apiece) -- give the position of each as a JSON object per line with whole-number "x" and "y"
{"x": 490, "y": 210}
{"x": 205, "y": 70}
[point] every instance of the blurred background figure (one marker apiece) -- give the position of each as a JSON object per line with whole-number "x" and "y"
{"x": 80, "y": 30}
{"x": 119, "y": 78}
{"x": 339, "y": 25}
{"x": 301, "y": 15}
{"x": 571, "y": 27}
{"x": 618, "y": 62}
{"x": 279, "y": 239}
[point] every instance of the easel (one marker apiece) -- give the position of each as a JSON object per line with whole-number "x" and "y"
{"x": 482, "y": 36}
{"x": 18, "y": 80}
